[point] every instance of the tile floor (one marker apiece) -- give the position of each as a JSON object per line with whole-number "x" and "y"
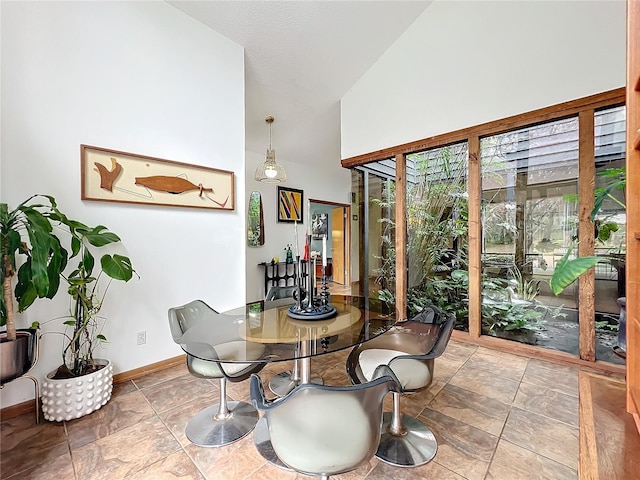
{"x": 495, "y": 416}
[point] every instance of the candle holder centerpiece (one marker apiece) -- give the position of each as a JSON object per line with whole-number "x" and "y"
{"x": 314, "y": 305}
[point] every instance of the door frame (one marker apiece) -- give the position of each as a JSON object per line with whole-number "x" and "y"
{"x": 347, "y": 235}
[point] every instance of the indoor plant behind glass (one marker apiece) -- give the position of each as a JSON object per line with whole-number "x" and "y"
{"x": 63, "y": 398}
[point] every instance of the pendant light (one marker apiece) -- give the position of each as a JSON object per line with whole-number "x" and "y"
{"x": 270, "y": 171}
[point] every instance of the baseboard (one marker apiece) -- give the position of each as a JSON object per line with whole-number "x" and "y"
{"x": 147, "y": 369}
{"x": 540, "y": 353}
{"x": 29, "y": 406}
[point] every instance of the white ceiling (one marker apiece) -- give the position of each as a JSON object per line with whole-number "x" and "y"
{"x": 301, "y": 57}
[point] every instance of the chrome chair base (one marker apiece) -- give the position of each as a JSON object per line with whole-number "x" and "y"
{"x": 416, "y": 447}
{"x": 205, "y": 430}
{"x": 282, "y": 383}
{"x": 262, "y": 441}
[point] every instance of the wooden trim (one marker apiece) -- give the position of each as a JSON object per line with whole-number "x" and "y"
{"x": 474, "y": 187}
{"x": 18, "y": 409}
{"x": 29, "y": 406}
{"x": 553, "y": 112}
{"x": 531, "y": 351}
{"x": 147, "y": 369}
{"x": 633, "y": 210}
{"x": 325, "y": 202}
{"x": 401, "y": 237}
{"x": 586, "y": 245}
{"x": 588, "y": 462}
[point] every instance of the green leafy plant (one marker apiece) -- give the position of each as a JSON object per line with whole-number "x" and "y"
{"x": 569, "y": 270}
{"x": 28, "y": 234}
{"x": 31, "y": 233}
{"x": 86, "y": 295}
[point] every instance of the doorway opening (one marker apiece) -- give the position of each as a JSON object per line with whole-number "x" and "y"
{"x": 334, "y": 218}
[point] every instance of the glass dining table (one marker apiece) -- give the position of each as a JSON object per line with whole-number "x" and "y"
{"x": 266, "y": 327}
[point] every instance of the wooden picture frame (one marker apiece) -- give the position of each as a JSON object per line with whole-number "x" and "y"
{"x": 290, "y": 202}
{"x": 114, "y": 176}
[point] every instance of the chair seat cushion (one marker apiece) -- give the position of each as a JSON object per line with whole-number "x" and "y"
{"x": 227, "y": 351}
{"x": 328, "y": 449}
{"x": 412, "y": 374}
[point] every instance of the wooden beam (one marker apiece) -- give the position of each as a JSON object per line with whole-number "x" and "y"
{"x": 586, "y": 186}
{"x": 474, "y": 186}
{"x": 401, "y": 237}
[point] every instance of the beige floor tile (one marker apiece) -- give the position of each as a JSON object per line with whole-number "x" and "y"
{"x": 271, "y": 472}
{"x": 513, "y": 462}
{"x": 473, "y": 387}
{"x": 459, "y": 350}
{"x": 431, "y": 470}
{"x": 471, "y": 408}
{"x": 50, "y": 467}
{"x": 125, "y": 452}
{"x": 230, "y": 462}
{"x": 463, "y": 449}
{"x": 161, "y": 376}
{"x": 545, "y": 436}
{"x": 550, "y": 403}
{"x": 175, "y": 466}
{"x": 502, "y": 364}
{"x": 166, "y": 395}
{"x": 25, "y": 444}
{"x": 123, "y": 388}
{"x": 176, "y": 419}
{"x": 121, "y": 412}
{"x": 550, "y": 375}
{"x": 485, "y": 383}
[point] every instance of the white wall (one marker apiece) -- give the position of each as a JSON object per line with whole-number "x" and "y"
{"x": 138, "y": 77}
{"x": 329, "y": 182}
{"x": 465, "y": 63}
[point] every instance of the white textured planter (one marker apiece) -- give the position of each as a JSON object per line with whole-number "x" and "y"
{"x": 70, "y": 398}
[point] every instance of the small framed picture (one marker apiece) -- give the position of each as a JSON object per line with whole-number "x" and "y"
{"x": 290, "y": 203}
{"x": 319, "y": 224}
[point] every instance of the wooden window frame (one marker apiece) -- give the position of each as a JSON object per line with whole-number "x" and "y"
{"x": 584, "y": 108}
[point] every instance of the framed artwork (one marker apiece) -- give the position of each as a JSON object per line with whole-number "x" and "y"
{"x": 113, "y": 176}
{"x": 319, "y": 224}
{"x": 290, "y": 203}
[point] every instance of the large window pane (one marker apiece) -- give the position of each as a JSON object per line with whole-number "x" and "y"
{"x": 610, "y": 222}
{"x": 437, "y": 227}
{"x": 529, "y": 210}
{"x": 373, "y": 186}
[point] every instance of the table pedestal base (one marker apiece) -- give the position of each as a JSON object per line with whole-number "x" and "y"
{"x": 205, "y": 430}
{"x": 282, "y": 383}
{"x": 416, "y": 446}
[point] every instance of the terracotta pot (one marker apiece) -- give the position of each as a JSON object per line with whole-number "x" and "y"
{"x": 69, "y": 398}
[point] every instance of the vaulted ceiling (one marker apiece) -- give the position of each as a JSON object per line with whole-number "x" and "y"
{"x": 301, "y": 57}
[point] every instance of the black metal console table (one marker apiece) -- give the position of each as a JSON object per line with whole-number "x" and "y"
{"x": 281, "y": 273}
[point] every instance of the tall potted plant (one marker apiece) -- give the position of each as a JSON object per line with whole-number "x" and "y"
{"x": 27, "y": 235}
{"x": 61, "y": 399}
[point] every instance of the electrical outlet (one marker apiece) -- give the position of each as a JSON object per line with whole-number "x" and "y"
{"x": 142, "y": 337}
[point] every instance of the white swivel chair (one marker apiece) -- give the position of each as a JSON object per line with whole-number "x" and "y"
{"x": 227, "y": 421}
{"x": 321, "y": 430}
{"x": 409, "y": 349}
